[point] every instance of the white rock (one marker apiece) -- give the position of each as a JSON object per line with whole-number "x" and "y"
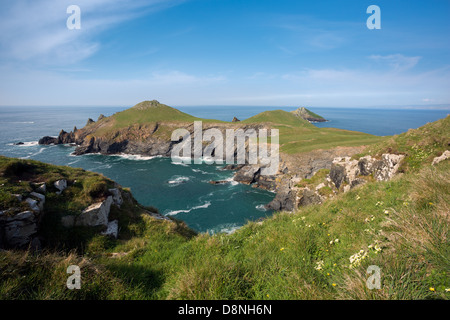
{"x": 96, "y": 214}
{"x": 42, "y": 188}
{"x": 112, "y": 229}
{"x": 41, "y": 199}
{"x": 34, "y": 205}
{"x": 442, "y": 157}
{"x": 60, "y": 185}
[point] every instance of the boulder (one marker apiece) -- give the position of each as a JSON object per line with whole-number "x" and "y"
{"x": 19, "y": 229}
{"x": 112, "y": 229}
{"x": 347, "y": 170}
{"x": 40, "y": 198}
{"x": 42, "y": 188}
{"x": 48, "y": 140}
{"x": 117, "y": 196}
{"x": 442, "y": 157}
{"x": 96, "y": 214}
{"x": 248, "y": 174}
{"x": 309, "y": 197}
{"x": 61, "y": 185}
{"x": 385, "y": 170}
{"x": 284, "y": 200}
{"x": 33, "y": 204}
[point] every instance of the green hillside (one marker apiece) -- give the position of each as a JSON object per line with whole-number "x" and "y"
{"x": 317, "y": 252}
{"x": 279, "y": 117}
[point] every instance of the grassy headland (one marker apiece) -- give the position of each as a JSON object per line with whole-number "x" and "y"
{"x": 316, "y": 252}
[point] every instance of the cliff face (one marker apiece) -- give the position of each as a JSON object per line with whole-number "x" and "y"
{"x": 47, "y": 205}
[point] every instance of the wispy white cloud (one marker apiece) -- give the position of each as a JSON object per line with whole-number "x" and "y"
{"x": 397, "y": 62}
{"x": 36, "y": 30}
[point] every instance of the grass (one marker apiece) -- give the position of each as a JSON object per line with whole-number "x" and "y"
{"x": 402, "y": 225}
{"x": 317, "y": 252}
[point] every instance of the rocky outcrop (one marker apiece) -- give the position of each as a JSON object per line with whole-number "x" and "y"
{"x": 309, "y": 197}
{"x": 308, "y": 115}
{"x": 248, "y": 174}
{"x": 348, "y": 171}
{"x": 444, "y": 156}
{"x": 17, "y": 230}
{"x": 96, "y": 214}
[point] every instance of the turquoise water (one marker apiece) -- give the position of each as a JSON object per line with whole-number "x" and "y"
{"x": 181, "y": 191}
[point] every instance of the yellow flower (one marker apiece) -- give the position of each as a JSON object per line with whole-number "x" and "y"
{"x": 333, "y": 284}
{"x": 267, "y": 295}
{"x": 431, "y": 289}
{"x": 281, "y": 249}
{"x": 447, "y": 290}
{"x": 328, "y": 274}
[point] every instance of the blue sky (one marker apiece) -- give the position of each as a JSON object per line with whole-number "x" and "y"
{"x": 225, "y": 52}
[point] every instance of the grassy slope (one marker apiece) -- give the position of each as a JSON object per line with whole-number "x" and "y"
{"x": 296, "y": 134}
{"x": 402, "y": 225}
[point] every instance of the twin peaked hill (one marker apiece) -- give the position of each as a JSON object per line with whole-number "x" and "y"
{"x": 146, "y": 129}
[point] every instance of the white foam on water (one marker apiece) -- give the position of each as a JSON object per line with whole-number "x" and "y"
{"x": 261, "y": 207}
{"x": 178, "y": 180}
{"x": 231, "y": 181}
{"x": 136, "y": 157}
{"x": 202, "y": 206}
{"x": 33, "y": 154}
{"x": 25, "y": 144}
{"x": 227, "y": 228}
{"x": 201, "y": 171}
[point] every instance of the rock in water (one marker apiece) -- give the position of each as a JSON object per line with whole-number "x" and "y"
{"x": 48, "y": 140}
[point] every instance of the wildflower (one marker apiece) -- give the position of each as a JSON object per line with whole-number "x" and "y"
{"x": 281, "y": 249}
{"x": 336, "y": 240}
{"x": 358, "y": 197}
{"x": 432, "y": 289}
{"x": 267, "y": 295}
{"x": 447, "y": 289}
{"x": 319, "y": 265}
{"x": 405, "y": 203}
{"x": 386, "y": 211}
{"x": 430, "y": 203}
{"x": 355, "y": 260}
{"x": 379, "y": 203}
{"x": 333, "y": 284}
{"x": 328, "y": 274}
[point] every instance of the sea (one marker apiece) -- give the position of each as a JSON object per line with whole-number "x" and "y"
{"x": 182, "y": 191}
